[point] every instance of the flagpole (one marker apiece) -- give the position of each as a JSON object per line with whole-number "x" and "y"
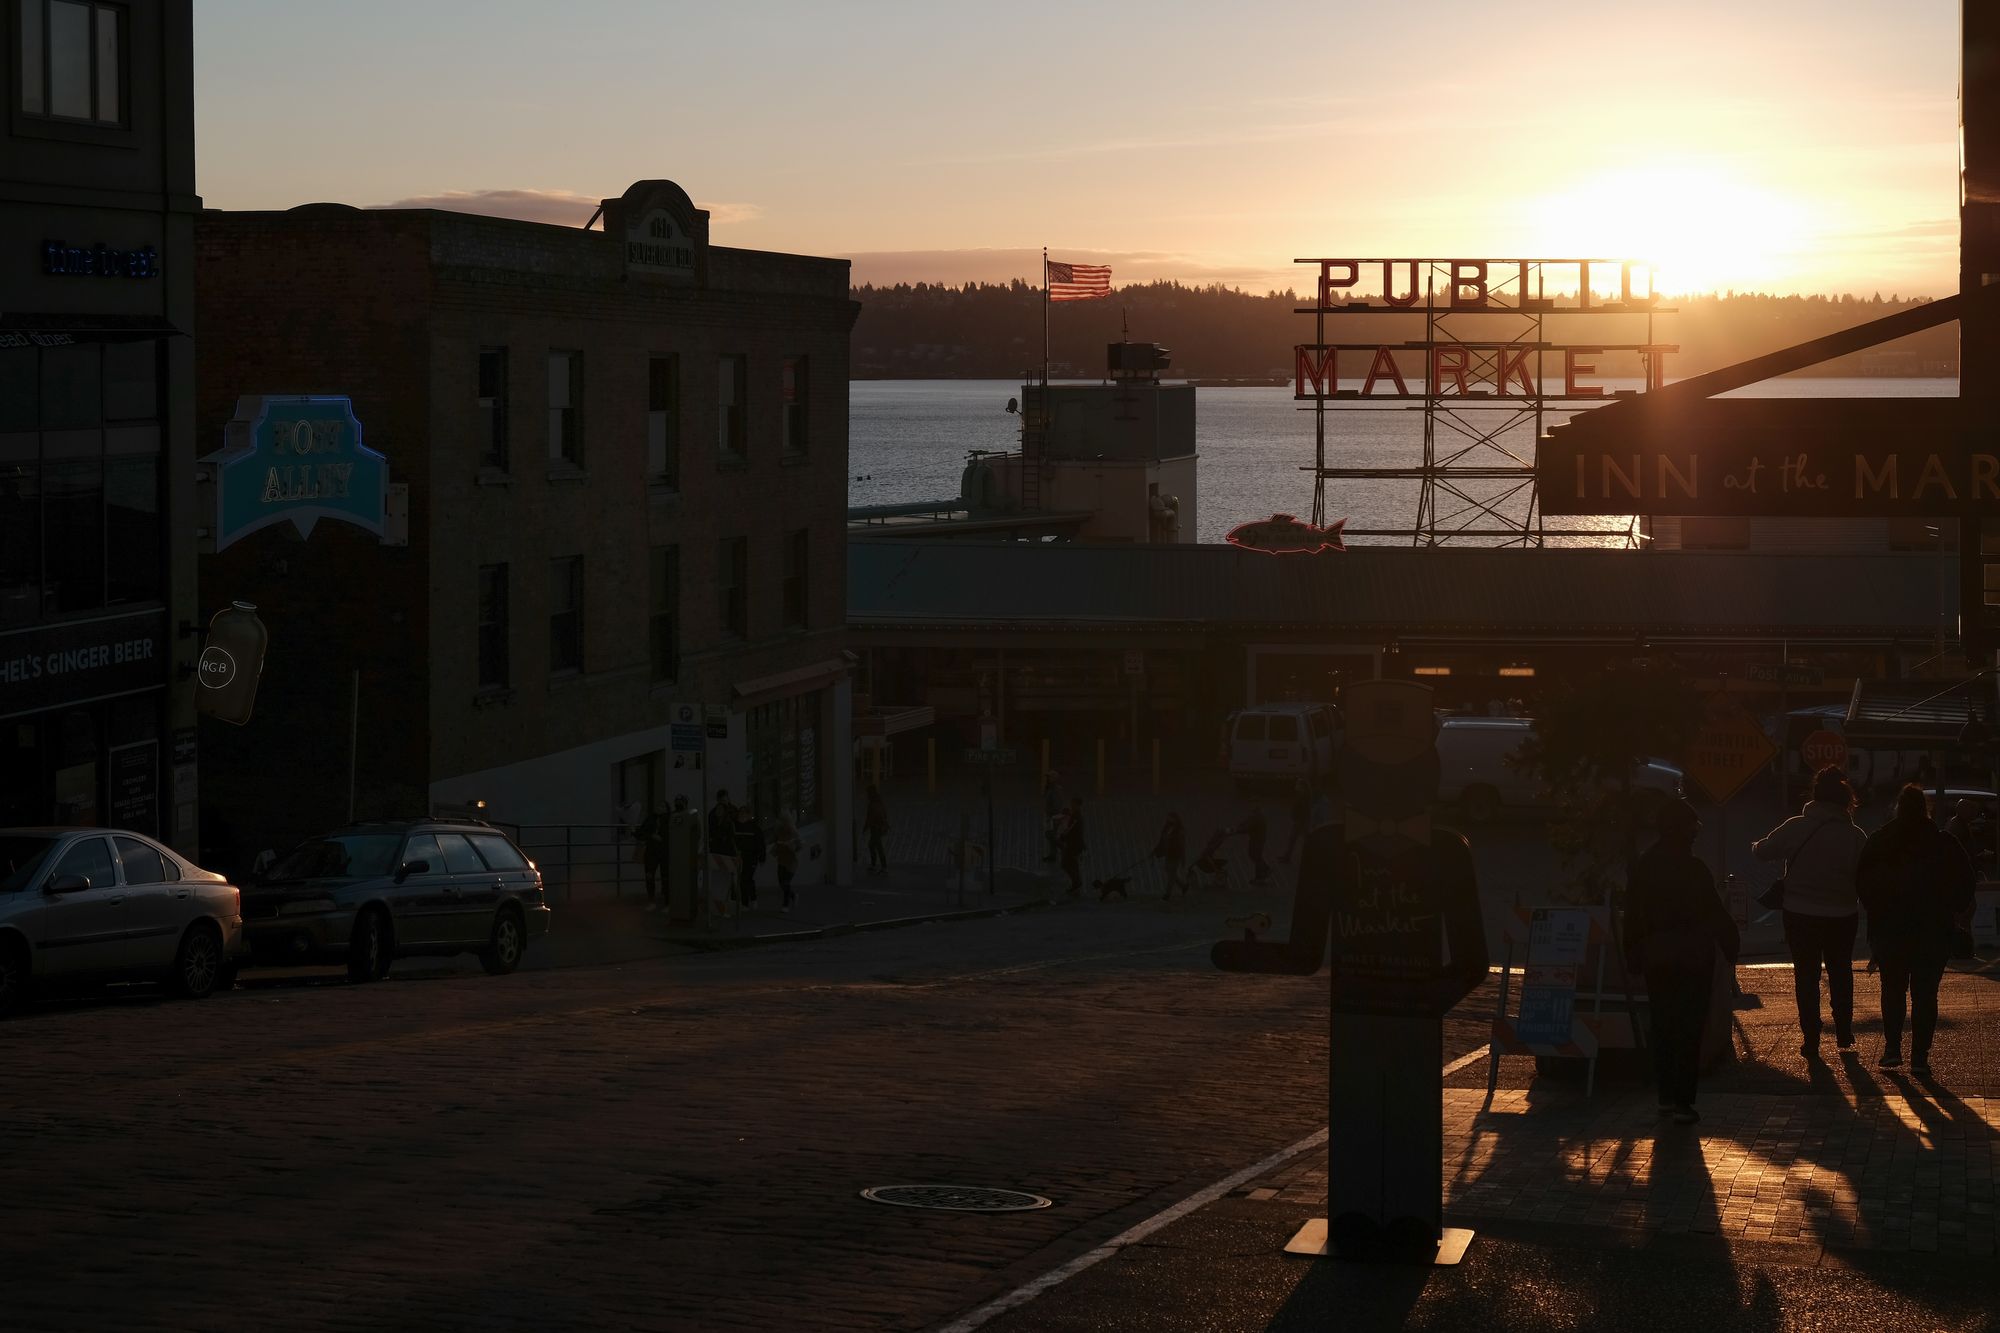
{"x": 1045, "y": 321}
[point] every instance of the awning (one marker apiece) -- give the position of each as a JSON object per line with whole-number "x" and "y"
{"x": 1914, "y": 714}
{"x": 19, "y": 329}
{"x": 784, "y": 683}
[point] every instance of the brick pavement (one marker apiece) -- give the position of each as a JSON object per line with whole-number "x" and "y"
{"x": 669, "y": 1143}
{"x": 1839, "y": 1155}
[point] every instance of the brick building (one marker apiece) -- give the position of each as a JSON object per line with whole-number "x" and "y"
{"x": 97, "y": 572}
{"x": 616, "y": 466}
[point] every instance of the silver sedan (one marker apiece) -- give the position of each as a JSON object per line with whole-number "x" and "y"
{"x": 87, "y": 904}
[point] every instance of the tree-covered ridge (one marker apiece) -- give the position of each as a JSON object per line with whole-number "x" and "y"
{"x": 994, "y": 331}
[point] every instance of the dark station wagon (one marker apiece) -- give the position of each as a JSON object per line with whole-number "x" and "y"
{"x": 371, "y": 893}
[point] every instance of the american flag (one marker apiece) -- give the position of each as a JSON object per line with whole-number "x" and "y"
{"x": 1078, "y": 282}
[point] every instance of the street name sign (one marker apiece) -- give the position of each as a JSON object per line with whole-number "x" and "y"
{"x": 999, "y": 758}
{"x": 1787, "y": 673}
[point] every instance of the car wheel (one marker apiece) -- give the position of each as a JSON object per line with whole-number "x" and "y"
{"x": 368, "y": 950}
{"x": 199, "y": 963}
{"x": 14, "y": 982}
{"x": 1480, "y": 804}
{"x": 509, "y": 941}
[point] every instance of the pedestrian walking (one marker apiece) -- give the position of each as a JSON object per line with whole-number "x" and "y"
{"x": 1171, "y": 851}
{"x": 785, "y": 852}
{"x": 722, "y": 854}
{"x": 1254, "y": 829}
{"x": 651, "y": 835}
{"x": 875, "y": 823}
{"x": 1055, "y": 808}
{"x": 1072, "y": 845}
{"x": 1820, "y": 848}
{"x": 1917, "y": 883}
{"x": 1301, "y": 819}
{"x": 749, "y": 853}
{"x": 1675, "y": 927}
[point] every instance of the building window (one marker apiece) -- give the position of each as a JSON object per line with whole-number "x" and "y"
{"x": 493, "y": 408}
{"x": 732, "y": 412}
{"x": 492, "y": 627}
{"x": 566, "y": 408}
{"x": 80, "y": 480}
{"x": 663, "y": 422}
{"x": 732, "y": 576}
{"x": 798, "y": 548}
{"x": 566, "y": 614}
{"x": 664, "y": 629}
{"x": 783, "y": 740}
{"x": 796, "y": 396}
{"x": 72, "y": 61}
{"x": 641, "y": 786}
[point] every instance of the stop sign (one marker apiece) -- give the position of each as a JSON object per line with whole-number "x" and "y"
{"x": 1824, "y": 749}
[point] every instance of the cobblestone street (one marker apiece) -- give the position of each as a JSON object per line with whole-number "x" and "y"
{"x": 671, "y": 1143}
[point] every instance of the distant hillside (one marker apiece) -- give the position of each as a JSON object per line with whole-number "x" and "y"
{"x": 989, "y": 331}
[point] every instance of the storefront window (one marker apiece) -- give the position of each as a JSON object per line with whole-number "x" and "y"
{"x": 132, "y": 513}
{"x": 784, "y": 757}
{"x": 80, "y": 480}
{"x": 72, "y": 522}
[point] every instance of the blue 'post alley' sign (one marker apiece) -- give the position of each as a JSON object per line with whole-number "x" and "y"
{"x": 299, "y": 459}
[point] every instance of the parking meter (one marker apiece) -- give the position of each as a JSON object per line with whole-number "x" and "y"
{"x": 1394, "y": 902}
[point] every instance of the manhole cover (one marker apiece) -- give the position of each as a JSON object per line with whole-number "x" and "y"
{"x": 956, "y": 1198}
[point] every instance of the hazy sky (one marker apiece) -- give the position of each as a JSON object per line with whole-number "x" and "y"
{"x": 1780, "y": 145}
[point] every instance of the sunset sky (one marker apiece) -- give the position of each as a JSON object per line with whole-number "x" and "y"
{"x": 1785, "y": 145}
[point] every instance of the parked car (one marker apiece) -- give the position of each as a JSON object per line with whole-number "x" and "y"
{"x": 91, "y": 904}
{"x": 1282, "y": 741}
{"x": 371, "y": 893}
{"x": 1475, "y": 771}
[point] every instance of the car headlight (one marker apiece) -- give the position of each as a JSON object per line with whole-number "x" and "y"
{"x": 305, "y": 906}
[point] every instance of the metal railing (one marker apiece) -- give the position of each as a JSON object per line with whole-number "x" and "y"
{"x": 591, "y": 860}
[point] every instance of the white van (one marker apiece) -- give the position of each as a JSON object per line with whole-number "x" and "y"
{"x": 1282, "y": 741}
{"x": 1475, "y": 772}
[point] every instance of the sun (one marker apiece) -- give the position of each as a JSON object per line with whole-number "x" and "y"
{"x": 1701, "y": 228}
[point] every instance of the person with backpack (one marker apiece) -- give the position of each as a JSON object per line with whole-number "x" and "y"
{"x": 1821, "y": 849}
{"x": 785, "y": 851}
{"x": 750, "y": 854}
{"x": 1171, "y": 851}
{"x": 875, "y": 823}
{"x": 1675, "y": 926}
{"x": 651, "y": 835}
{"x": 1072, "y": 845}
{"x": 1054, "y": 806}
{"x": 1917, "y": 883}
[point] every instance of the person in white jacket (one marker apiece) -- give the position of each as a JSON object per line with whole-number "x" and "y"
{"x": 1821, "y": 847}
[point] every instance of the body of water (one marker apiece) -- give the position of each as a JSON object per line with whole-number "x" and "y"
{"x": 908, "y": 439}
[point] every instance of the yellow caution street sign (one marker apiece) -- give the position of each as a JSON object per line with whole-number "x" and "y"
{"x": 1727, "y": 752}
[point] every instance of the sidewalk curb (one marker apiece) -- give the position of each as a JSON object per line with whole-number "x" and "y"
{"x": 833, "y": 930}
